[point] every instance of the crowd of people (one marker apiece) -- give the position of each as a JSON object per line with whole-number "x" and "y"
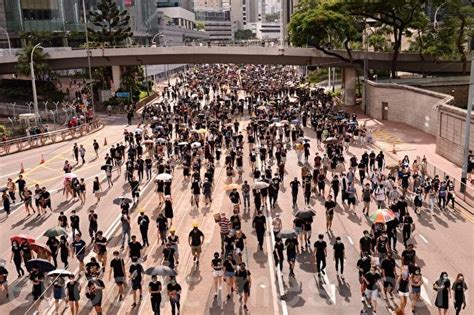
{"x": 204, "y": 122}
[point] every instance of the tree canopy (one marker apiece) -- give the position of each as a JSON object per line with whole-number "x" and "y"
{"x": 40, "y": 65}
{"x": 111, "y": 25}
{"x": 329, "y": 25}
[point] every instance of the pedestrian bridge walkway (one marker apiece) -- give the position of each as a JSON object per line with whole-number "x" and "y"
{"x": 71, "y": 59}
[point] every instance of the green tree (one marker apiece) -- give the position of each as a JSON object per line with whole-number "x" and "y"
{"x": 326, "y": 26}
{"x": 401, "y": 16}
{"x": 200, "y": 26}
{"x": 41, "y": 67}
{"x": 244, "y": 35}
{"x": 111, "y": 25}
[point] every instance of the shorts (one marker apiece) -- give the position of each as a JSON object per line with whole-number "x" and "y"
{"x": 329, "y": 217}
{"x": 416, "y": 290}
{"x": 196, "y": 250}
{"x": 80, "y": 257}
{"x": 400, "y": 293}
{"x": 298, "y": 229}
{"x": 119, "y": 280}
{"x": 58, "y": 293}
{"x": 371, "y": 294}
{"x": 136, "y": 285}
{"x": 351, "y": 200}
{"x": 291, "y": 257}
{"x": 217, "y": 273}
{"x": 229, "y": 274}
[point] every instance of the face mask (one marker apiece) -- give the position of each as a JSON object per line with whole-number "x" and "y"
{"x": 339, "y": 242}
{"x": 461, "y": 278}
{"x": 445, "y": 277}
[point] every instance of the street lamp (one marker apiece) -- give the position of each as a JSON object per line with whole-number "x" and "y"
{"x": 435, "y": 20}
{"x": 8, "y": 39}
{"x": 153, "y": 43}
{"x": 33, "y": 82}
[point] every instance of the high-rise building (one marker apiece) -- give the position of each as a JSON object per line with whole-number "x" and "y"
{"x": 217, "y": 24}
{"x": 202, "y": 5}
{"x": 288, "y": 7}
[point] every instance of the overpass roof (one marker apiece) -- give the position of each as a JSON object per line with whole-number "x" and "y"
{"x": 73, "y": 59}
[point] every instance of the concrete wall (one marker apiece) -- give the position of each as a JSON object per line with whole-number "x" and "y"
{"x": 401, "y": 100}
{"x": 450, "y": 137}
{"x": 426, "y": 110}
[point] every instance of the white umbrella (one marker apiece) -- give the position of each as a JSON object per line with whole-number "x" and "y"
{"x": 183, "y": 143}
{"x": 70, "y": 175}
{"x": 164, "y": 176}
{"x": 260, "y": 185}
{"x": 138, "y": 130}
{"x": 60, "y": 272}
{"x": 195, "y": 145}
{"x": 160, "y": 140}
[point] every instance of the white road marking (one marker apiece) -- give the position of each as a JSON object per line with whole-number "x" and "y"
{"x": 424, "y": 239}
{"x": 330, "y": 288}
{"x": 424, "y": 293}
{"x": 350, "y": 240}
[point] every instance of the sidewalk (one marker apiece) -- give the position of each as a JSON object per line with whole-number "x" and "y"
{"x": 415, "y": 144}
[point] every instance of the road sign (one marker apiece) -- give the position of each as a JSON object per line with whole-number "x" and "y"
{"x": 123, "y": 94}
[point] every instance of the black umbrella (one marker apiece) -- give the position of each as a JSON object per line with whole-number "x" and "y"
{"x": 41, "y": 264}
{"x": 2, "y": 189}
{"x": 287, "y": 233}
{"x": 56, "y": 231}
{"x": 305, "y": 214}
{"x": 160, "y": 271}
{"x": 122, "y": 199}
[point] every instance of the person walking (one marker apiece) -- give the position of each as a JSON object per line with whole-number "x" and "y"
{"x": 73, "y": 290}
{"x": 82, "y": 152}
{"x": 97, "y": 188}
{"x": 16, "y": 258}
{"x": 154, "y": 288}
{"x": 459, "y": 288}
{"x": 217, "y": 273}
{"x": 195, "y": 240}
{"x": 126, "y": 228}
{"x": 174, "y": 293}
{"x": 259, "y": 223}
{"x": 320, "y": 247}
{"x": 244, "y": 283}
{"x": 442, "y": 286}
{"x": 339, "y": 256}
{"x": 143, "y": 223}
{"x": 117, "y": 268}
{"x": 136, "y": 274}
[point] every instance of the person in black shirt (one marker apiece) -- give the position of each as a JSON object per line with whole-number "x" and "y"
{"x": 154, "y": 288}
{"x": 278, "y": 253}
{"x": 363, "y": 264}
{"x": 37, "y": 278}
{"x": 135, "y": 248}
{"x": 365, "y": 243}
{"x": 75, "y": 225}
{"x": 93, "y": 224}
{"x": 169, "y": 256}
{"x": 53, "y": 245}
{"x": 78, "y": 248}
{"x": 409, "y": 255}
{"x": 372, "y": 279}
{"x": 329, "y": 205}
{"x": 389, "y": 275}
{"x": 100, "y": 248}
{"x": 408, "y": 226}
{"x": 294, "y": 184}
{"x": 320, "y": 254}
{"x": 339, "y": 256}
{"x": 136, "y": 272}
{"x": 260, "y": 225}
{"x": 117, "y": 266}
{"x": 135, "y": 188}
{"x": 143, "y": 223}
{"x": 291, "y": 251}
{"x": 73, "y": 289}
{"x": 174, "y": 294}
{"x": 217, "y": 272}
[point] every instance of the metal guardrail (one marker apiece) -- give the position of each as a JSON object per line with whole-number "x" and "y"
{"x": 24, "y": 143}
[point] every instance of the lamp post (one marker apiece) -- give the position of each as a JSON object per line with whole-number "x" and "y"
{"x": 33, "y": 83}
{"x": 435, "y": 20}
{"x": 153, "y": 43}
{"x": 88, "y": 55}
{"x": 8, "y": 39}
{"x": 467, "y": 130}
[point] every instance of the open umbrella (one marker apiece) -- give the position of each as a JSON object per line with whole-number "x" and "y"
{"x": 183, "y": 143}
{"x": 160, "y": 271}
{"x": 41, "y": 264}
{"x": 164, "y": 176}
{"x": 122, "y": 199}
{"x": 284, "y": 121}
{"x": 160, "y": 140}
{"x": 54, "y": 232}
{"x": 330, "y": 140}
{"x": 231, "y": 187}
{"x": 295, "y": 121}
{"x": 200, "y": 131}
{"x": 382, "y": 216}
{"x": 305, "y": 213}
{"x": 70, "y": 175}
{"x": 260, "y": 185}
{"x": 40, "y": 248}
{"x": 2, "y": 189}
{"x": 149, "y": 141}
{"x": 138, "y": 130}
{"x": 195, "y": 145}
{"x": 60, "y": 273}
{"x": 287, "y": 233}
{"x": 21, "y": 237}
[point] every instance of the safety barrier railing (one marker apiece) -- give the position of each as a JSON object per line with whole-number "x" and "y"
{"x": 24, "y": 143}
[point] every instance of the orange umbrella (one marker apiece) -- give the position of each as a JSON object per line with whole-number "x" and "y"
{"x": 40, "y": 248}
{"x": 21, "y": 237}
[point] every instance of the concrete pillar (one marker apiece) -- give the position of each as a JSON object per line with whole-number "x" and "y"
{"x": 116, "y": 77}
{"x": 349, "y": 79}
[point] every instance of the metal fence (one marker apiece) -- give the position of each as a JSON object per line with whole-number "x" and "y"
{"x": 25, "y": 143}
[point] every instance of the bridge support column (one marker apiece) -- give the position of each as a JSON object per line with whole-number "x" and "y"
{"x": 116, "y": 77}
{"x": 349, "y": 80}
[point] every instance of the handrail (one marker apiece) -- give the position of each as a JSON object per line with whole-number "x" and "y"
{"x": 41, "y": 139}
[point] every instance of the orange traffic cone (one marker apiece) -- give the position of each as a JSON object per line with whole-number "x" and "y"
{"x": 22, "y": 169}
{"x": 42, "y": 159}
{"x": 105, "y": 141}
